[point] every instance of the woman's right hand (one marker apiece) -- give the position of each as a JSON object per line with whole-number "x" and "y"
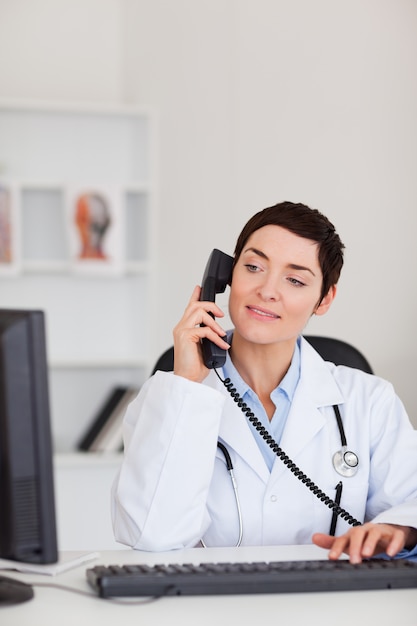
{"x": 188, "y": 359}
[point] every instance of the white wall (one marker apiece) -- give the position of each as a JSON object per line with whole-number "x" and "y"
{"x": 258, "y": 101}
{"x": 62, "y": 49}
{"x": 266, "y": 100}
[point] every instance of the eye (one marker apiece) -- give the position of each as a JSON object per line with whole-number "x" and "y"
{"x": 295, "y": 282}
{"x": 252, "y": 268}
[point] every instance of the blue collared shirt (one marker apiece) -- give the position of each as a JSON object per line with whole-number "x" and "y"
{"x": 281, "y": 396}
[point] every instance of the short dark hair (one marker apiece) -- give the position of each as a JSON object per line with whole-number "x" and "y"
{"x": 304, "y": 222}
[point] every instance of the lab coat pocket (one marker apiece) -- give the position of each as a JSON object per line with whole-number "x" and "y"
{"x": 351, "y": 495}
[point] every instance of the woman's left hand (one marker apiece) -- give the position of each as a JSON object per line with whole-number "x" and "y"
{"x": 363, "y": 542}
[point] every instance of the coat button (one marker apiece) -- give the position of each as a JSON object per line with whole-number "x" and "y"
{"x": 274, "y": 498}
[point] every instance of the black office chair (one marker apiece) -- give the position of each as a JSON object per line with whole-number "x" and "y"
{"x": 334, "y": 350}
{"x": 339, "y": 352}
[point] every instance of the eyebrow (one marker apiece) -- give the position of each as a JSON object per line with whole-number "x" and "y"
{"x": 293, "y": 266}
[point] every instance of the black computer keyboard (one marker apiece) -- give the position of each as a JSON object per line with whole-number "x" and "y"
{"x": 233, "y": 578}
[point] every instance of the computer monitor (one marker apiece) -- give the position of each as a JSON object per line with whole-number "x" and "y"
{"x": 27, "y": 503}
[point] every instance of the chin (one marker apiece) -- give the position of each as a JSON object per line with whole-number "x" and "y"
{"x": 266, "y": 337}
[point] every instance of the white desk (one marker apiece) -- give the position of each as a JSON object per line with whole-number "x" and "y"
{"x": 52, "y": 607}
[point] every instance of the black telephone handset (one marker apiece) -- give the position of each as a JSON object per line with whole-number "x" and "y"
{"x": 217, "y": 275}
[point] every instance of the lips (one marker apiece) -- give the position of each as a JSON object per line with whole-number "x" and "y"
{"x": 263, "y": 313}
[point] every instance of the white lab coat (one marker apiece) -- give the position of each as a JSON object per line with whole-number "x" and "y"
{"x": 173, "y": 487}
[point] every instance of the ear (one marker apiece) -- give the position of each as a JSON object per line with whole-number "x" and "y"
{"x": 325, "y": 303}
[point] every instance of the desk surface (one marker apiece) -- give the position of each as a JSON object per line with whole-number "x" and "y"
{"x": 53, "y": 606}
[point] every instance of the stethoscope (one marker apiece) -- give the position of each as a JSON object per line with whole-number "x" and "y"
{"x": 345, "y": 462}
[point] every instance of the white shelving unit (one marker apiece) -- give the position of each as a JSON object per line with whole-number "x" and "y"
{"x": 98, "y": 313}
{"x": 82, "y": 492}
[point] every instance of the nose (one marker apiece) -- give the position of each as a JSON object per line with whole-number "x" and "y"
{"x": 268, "y": 290}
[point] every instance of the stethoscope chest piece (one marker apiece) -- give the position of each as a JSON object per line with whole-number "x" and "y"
{"x": 345, "y": 462}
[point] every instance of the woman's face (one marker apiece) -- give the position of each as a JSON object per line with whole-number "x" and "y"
{"x": 276, "y": 286}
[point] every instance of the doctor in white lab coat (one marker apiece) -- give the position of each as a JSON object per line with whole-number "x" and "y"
{"x": 174, "y": 490}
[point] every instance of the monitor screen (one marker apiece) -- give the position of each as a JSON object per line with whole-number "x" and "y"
{"x": 27, "y": 503}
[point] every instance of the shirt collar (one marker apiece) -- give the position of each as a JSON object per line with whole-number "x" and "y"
{"x": 287, "y": 385}
{"x": 290, "y": 381}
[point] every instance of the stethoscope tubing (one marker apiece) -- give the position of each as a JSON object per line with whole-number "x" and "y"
{"x": 229, "y": 466}
{"x": 345, "y": 462}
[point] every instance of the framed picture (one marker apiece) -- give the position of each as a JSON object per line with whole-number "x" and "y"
{"x": 96, "y": 227}
{"x": 9, "y": 228}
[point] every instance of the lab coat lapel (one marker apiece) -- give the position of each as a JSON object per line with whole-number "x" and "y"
{"x": 237, "y": 434}
{"x": 316, "y": 389}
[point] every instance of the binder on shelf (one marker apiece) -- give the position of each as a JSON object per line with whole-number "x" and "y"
{"x": 105, "y": 432}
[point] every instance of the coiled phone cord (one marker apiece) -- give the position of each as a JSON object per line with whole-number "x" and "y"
{"x": 336, "y": 508}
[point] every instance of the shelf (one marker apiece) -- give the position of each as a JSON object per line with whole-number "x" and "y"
{"x": 98, "y": 310}
{"x": 66, "y": 268}
{"x": 98, "y": 365}
{"x": 69, "y": 143}
{"x": 87, "y": 459}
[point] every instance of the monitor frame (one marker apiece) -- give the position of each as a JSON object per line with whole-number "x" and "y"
{"x": 27, "y": 500}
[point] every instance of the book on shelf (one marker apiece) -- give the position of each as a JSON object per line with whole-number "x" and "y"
{"x": 105, "y": 432}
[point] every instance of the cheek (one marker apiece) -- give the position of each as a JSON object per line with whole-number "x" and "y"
{"x": 238, "y": 295}
{"x": 232, "y": 302}
{"x": 301, "y": 307}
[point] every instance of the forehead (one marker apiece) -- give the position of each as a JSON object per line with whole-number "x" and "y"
{"x": 275, "y": 241}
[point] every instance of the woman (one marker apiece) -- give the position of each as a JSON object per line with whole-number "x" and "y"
{"x": 173, "y": 489}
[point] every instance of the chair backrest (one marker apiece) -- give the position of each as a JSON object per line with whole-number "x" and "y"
{"x": 330, "y": 349}
{"x": 165, "y": 363}
{"x": 339, "y": 352}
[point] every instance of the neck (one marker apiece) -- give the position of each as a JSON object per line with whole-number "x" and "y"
{"x": 262, "y": 367}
